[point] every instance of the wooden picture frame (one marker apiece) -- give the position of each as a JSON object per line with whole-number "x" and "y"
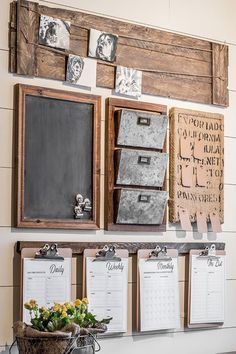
{"x": 113, "y": 105}
{"x": 57, "y": 153}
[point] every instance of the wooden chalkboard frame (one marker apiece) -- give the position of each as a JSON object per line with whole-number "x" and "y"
{"x": 112, "y": 105}
{"x": 20, "y": 128}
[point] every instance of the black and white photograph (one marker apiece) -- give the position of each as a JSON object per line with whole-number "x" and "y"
{"x": 102, "y": 45}
{"x": 128, "y": 81}
{"x": 81, "y": 71}
{"x": 54, "y": 32}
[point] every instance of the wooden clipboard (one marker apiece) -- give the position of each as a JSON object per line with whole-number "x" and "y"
{"x": 121, "y": 254}
{"x": 199, "y": 325}
{"x": 144, "y": 254}
{"x": 30, "y": 253}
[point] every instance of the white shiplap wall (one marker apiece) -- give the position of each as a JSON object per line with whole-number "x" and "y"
{"x": 207, "y": 19}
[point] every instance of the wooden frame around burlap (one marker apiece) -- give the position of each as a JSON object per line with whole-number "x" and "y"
{"x": 210, "y": 128}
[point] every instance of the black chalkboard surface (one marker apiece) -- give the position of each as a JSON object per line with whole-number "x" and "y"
{"x": 59, "y": 157}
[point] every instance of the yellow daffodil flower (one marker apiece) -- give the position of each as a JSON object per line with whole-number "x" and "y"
{"x": 27, "y": 306}
{"x": 85, "y": 300}
{"x": 77, "y": 302}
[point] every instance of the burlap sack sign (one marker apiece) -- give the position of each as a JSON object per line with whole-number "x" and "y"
{"x": 196, "y": 164}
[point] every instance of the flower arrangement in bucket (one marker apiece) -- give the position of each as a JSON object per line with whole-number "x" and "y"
{"x": 57, "y": 329}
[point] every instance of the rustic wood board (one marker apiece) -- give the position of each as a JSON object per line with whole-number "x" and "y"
{"x": 112, "y": 105}
{"x": 173, "y": 65}
{"x": 132, "y": 247}
{"x": 208, "y": 127}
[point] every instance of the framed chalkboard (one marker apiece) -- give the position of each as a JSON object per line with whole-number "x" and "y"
{"x": 58, "y": 158}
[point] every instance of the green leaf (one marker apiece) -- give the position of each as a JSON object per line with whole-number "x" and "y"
{"x": 50, "y": 327}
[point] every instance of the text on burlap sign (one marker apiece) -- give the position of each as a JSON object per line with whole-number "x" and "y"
{"x": 196, "y": 166}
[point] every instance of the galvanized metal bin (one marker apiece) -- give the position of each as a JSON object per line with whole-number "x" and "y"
{"x": 140, "y": 206}
{"x": 140, "y": 167}
{"x": 141, "y": 129}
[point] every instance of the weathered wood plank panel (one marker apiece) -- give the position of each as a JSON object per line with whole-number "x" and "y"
{"x": 173, "y": 65}
{"x": 185, "y": 88}
{"x": 12, "y": 37}
{"x": 51, "y": 65}
{"x": 127, "y": 29}
{"x": 27, "y": 36}
{"x": 220, "y": 79}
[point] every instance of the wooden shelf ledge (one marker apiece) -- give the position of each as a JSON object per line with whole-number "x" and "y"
{"x": 78, "y": 247}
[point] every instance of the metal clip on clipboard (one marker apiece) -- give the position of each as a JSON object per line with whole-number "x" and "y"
{"x": 159, "y": 254}
{"x": 108, "y": 253}
{"x": 208, "y": 252}
{"x": 49, "y": 252}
